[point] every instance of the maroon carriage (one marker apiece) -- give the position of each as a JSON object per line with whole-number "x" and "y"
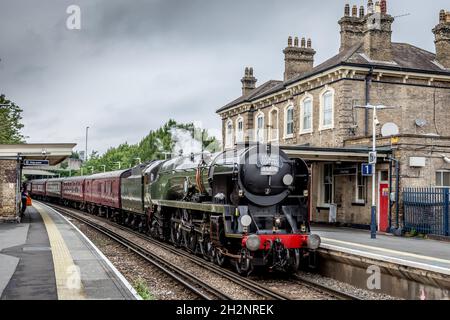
{"x": 103, "y": 190}
{"x": 73, "y": 190}
{"x": 53, "y": 188}
{"x": 37, "y": 188}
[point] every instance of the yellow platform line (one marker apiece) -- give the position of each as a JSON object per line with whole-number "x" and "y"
{"x": 395, "y": 252}
{"x": 67, "y": 274}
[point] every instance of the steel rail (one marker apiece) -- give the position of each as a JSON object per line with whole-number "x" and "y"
{"x": 193, "y": 283}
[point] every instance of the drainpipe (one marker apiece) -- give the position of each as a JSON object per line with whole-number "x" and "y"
{"x": 390, "y": 192}
{"x": 368, "y": 81}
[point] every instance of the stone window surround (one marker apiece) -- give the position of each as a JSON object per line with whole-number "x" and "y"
{"x": 320, "y": 186}
{"x": 229, "y": 136}
{"x": 324, "y": 91}
{"x": 270, "y": 138}
{"x": 306, "y": 96}
{"x": 258, "y": 115}
{"x": 239, "y": 136}
{"x": 289, "y": 106}
{"x": 360, "y": 199}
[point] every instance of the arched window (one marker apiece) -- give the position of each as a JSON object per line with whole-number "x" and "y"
{"x": 327, "y": 109}
{"x": 259, "y": 127}
{"x": 289, "y": 122}
{"x": 306, "y": 115}
{"x": 239, "y": 129}
{"x": 229, "y": 134}
{"x": 273, "y": 124}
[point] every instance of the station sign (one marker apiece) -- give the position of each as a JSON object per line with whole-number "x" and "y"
{"x": 345, "y": 171}
{"x": 36, "y": 163}
{"x": 367, "y": 169}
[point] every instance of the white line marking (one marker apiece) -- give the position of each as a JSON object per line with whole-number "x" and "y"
{"x": 408, "y": 254}
{"x": 409, "y": 263}
{"x": 113, "y": 268}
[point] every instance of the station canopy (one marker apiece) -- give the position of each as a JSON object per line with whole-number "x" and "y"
{"x": 54, "y": 153}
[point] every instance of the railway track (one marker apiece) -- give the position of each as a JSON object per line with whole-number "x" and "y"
{"x": 191, "y": 282}
{"x": 194, "y": 284}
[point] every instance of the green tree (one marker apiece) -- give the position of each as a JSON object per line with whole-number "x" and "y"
{"x": 10, "y": 122}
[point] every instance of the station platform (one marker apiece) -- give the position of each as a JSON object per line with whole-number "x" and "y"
{"x": 425, "y": 254}
{"x": 47, "y": 258}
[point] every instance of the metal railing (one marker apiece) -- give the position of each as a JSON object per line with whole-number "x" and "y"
{"x": 426, "y": 210}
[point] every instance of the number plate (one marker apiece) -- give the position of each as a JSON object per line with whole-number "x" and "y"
{"x": 269, "y": 171}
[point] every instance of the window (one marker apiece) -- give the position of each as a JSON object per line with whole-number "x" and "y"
{"x": 306, "y": 116}
{"x": 361, "y": 187}
{"x": 229, "y": 134}
{"x": 326, "y": 116}
{"x": 289, "y": 121}
{"x": 273, "y": 119}
{"x": 327, "y": 184}
{"x": 239, "y": 130}
{"x": 260, "y": 127}
{"x": 442, "y": 178}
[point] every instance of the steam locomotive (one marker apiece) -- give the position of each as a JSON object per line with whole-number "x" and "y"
{"x": 248, "y": 205}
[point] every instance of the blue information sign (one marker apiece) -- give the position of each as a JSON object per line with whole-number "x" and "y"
{"x": 35, "y": 162}
{"x": 367, "y": 169}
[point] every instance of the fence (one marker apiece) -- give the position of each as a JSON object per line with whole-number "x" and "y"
{"x": 426, "y": 210}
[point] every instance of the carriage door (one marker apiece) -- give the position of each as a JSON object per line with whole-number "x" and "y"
{"x": 383, "y": 201}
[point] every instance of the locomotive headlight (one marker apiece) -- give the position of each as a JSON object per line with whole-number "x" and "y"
{"x": 278, "y": 221}
{"x": 288, "y": 179}
{"x": 253, "y": 242}
{"x": 246, "y": 220}
{"x": 313, "y": 241}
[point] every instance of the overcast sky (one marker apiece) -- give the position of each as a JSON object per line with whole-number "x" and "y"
{"x": 136, "y": 63}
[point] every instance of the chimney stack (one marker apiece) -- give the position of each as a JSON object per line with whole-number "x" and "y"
{"x": 298, "y": 59}
{"x": 378, "y": 33}
{"x": 442, "y": 39}
{"x": 248, "y": 81}
{"x": 352, "y": 27}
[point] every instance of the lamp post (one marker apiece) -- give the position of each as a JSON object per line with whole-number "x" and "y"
{"x": 86, "y": 151}
{"x": 120, "y": 164}
{"x": 373, "y": 162}
{"x": 92, "y": 169}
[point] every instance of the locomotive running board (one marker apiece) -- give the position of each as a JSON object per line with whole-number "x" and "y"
{"x": 208, "y": 207}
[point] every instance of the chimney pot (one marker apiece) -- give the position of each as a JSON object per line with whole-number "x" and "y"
{"x": 354, "y": 11}
{"x": 309, "y": 44}
{"x": 303, "y": 42}
{"x": 370, "y": 7}
{"x": 347, "y": 10}
{"x": 290, "y": 41}
{"x": 361, "y": 11}
{"x": 383, "y": 6}
{"x": 377, "y": 7}
{"x": 296, "y": 42}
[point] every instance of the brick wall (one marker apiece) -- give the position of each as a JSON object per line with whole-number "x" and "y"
{"x": 8, "y": 176}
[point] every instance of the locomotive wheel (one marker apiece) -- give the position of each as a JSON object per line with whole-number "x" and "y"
{"x": 293, "y": 260}
{"x": 219, "y": 257}
{"x": 243, "y": 265}
{"x": 175, "y": 234}
{"x": 154, "y": 229}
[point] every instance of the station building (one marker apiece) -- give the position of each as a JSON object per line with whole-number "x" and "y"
{"x": 13, "y": 159}
{"x": 318, "y": 113}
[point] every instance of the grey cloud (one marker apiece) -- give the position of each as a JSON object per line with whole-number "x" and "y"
{"x": 137, "y": 63}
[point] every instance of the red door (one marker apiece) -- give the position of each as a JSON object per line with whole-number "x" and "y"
{"x": 384, "y": 207}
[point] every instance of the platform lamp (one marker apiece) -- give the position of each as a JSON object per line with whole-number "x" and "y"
{"x": 373, "y": 162}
